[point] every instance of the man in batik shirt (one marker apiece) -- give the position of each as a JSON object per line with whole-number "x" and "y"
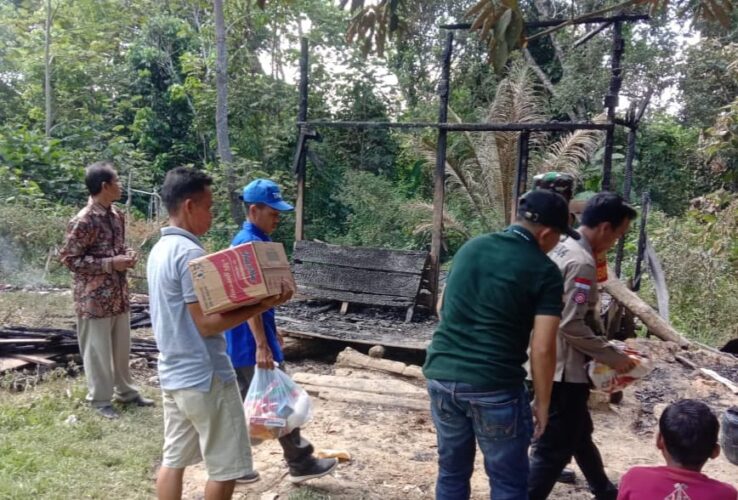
{"x": 95, "y": 251}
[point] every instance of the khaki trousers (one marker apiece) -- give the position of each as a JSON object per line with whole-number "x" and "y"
{"x": 105, "y": 344}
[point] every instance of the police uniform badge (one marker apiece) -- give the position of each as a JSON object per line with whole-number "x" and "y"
{"x": 581, "y": 290}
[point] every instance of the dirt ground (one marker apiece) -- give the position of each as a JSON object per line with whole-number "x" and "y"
{"x": 394, "y": 452}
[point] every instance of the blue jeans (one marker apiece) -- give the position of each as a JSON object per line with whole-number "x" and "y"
{"x": 502, "y": 423}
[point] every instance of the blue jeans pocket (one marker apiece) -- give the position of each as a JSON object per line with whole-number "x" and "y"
{"x": 495, "y": 420}
{"x": 440, "y": 401}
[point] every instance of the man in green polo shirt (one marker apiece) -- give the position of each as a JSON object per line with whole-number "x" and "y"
{"x": 502, "y": 286}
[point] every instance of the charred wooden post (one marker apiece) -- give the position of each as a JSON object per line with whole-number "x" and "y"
{"x": 439, "y": 174}
{"x": 549, "y": 23}
{"x": 627, "y": 184}
{"x": 646, "y": 201}
{"x": 632, "y": 122}
{"x": 521, "y": 179}
{"x": 300, "y": 162}
{"x": 611, "y": 100}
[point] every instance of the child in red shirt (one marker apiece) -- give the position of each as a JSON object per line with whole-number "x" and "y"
{"x": 688, "y": 437}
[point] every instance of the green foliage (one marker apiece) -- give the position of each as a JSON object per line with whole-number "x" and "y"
{"x": 704, "y": 299}
{"x": 28, "y": 236}
{"x": 378, "y": 215}
{"x": 372, "y": 150}
{"x": 705, "y": 83}
{"x": 35, "y": 166}
{"x": 670, "y": 167}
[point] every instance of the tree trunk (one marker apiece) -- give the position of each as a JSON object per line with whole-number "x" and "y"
{"x": 221, "y": 112}
{"x": 47, "y": 69}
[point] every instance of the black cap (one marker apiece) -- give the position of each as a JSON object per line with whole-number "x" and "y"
{"x": 548, "y": 209}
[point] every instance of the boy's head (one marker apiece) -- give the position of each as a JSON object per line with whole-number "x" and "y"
{"x": 187, "y": 196}
{"x": 688, "y": 434}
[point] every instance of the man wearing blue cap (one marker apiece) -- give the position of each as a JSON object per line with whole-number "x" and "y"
{"x": 257, "y": 342}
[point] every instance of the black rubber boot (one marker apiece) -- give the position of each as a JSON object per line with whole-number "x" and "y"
{"x": 298, "y": 452}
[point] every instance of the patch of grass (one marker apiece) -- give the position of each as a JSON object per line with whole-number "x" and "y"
{"x": 38, "y": 309}
{"x": 53, "y": 446}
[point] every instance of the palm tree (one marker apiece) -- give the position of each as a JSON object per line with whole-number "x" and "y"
{"x": 482, "y": 166}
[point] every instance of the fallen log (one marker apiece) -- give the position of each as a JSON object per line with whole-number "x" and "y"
{"x": 353, "y": 359}
{"x": 389, "y": 387}
{"x": 347, "y": 396}
{"x": 655, "y": 323}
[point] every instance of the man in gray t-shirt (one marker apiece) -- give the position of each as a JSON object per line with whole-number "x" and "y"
{"x": 203, "y": 412}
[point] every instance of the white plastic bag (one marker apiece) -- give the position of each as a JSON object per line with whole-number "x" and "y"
{"x": 275, "y": 405}
{"x": 607, "y": 380}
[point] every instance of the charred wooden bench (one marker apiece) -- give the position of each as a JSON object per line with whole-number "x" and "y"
{"x": 371, "y": 276}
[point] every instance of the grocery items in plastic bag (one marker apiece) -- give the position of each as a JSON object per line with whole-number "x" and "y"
{"x": 275, "y": 405}
{"x": 607, "y": 380}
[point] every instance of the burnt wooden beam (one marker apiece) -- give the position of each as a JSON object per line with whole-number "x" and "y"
{"x": 439, "y": 173}
{"x": 588, "y": 36}
{"x": 645, "y": 202}
{"x": 611, "y": 100}
{"x": 356, "y": 297}
{"x": 521, "y": 178}
{"x": 465, "y": 127}
{"x": 300, "y": 161}
{"x": 549, "y": 23}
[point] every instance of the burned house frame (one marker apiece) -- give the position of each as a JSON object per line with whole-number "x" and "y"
{"x": 308, "y": 128}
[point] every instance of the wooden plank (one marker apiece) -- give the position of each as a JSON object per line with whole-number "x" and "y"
{"x": 409, "y": 314}
{"x": 357, "y": 280}
{"x": 24, "y": 341}
{"x": 358, "y": 298}
{"x": 39, "y": 360}
{"x": 7, "y": 364}
{"x": 378, "y": 259}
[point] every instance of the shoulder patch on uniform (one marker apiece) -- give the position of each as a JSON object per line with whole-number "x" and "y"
{"x": 584, "y": 282}
{"x": 581, "y": 290}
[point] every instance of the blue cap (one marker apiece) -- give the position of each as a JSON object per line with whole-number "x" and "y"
{"x": 266, "y": 192}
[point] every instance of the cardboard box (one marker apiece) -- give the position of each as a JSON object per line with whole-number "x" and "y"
{"x": 240, "y": 276}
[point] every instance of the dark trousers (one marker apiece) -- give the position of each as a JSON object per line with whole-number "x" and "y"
{"x": 568, "y": 435}
{"x": 297, "y": 450}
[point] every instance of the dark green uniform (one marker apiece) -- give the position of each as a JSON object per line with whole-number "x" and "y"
{"x": 498, "y": 284}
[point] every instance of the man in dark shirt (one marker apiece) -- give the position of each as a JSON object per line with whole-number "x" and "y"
{"x": 502, "y": 286}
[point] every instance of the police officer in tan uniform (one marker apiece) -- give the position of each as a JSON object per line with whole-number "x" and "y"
{"x": 605, "y": 219}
